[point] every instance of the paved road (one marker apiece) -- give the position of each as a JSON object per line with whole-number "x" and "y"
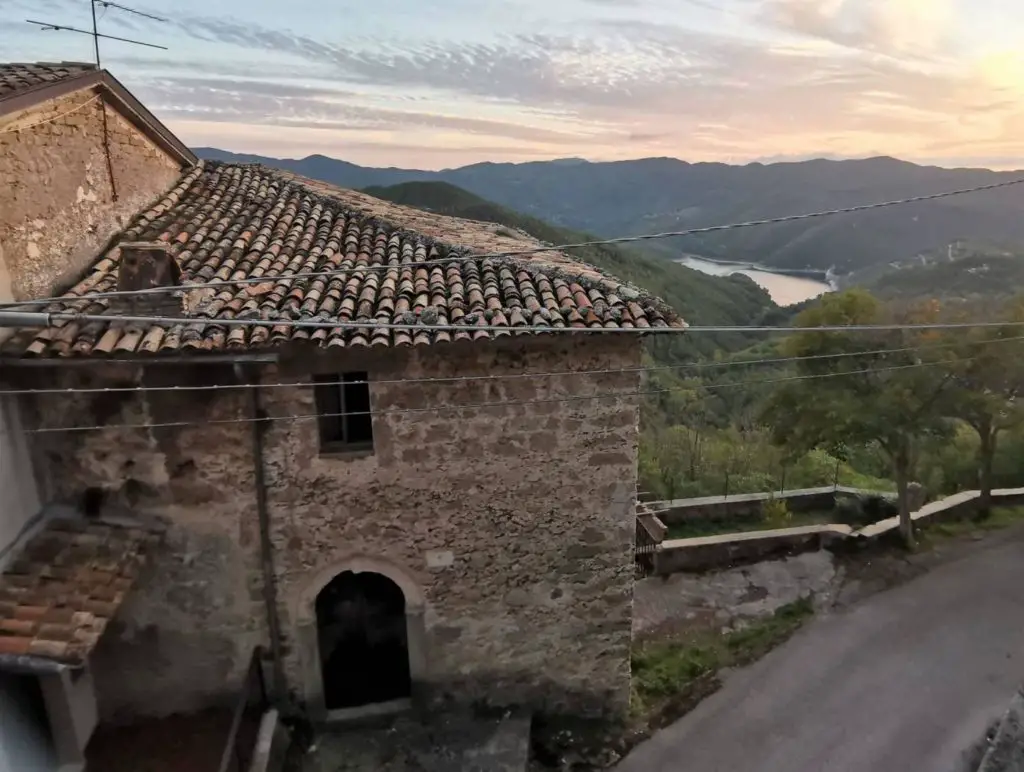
{"x": 904, "y": 681}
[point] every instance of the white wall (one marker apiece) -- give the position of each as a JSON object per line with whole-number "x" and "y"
{"x": 25, "y": 744}
{"x": 20, "y": 502}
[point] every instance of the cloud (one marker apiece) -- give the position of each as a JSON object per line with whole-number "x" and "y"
{"x": 289, "y": 106}
{"x": 630, "y": 89}
{"x": 895, "y": 27}
{"x": 782, "y": 78}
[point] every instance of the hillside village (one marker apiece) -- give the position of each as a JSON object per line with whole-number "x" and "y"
{"x": 279, "y": 456}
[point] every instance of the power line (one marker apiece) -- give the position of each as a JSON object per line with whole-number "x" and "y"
{"x": 481, "y": 405}
{"x": 143, "y": 14}
{"x": 531, "y": 251}
{"x": 47, "y": 319}
{"x": 48, "y": 26}
{"x": 95, "y": 34}
{"x": 86, "y": 103}
{"x": 507, "y": 376}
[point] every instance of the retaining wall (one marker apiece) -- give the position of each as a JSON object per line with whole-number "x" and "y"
{"x": 749, "y": 505}
{"x": 705, "y": 552}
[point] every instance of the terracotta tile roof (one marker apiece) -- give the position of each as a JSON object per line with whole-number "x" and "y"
{"x": 16, "y": 78}
{"x": 228, "y": 221}
{"x": 60, "y": 592}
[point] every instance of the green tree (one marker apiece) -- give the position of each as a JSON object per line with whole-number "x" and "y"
{"x": 985, "y": 368}
{"x": 892, "y": 398}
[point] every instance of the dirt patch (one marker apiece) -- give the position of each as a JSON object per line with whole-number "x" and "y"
{"x": 670, "y": 677}
{"x": 677, "y": 606}
{"x": 180, "y": 742}
{"x": 571, "y": 745}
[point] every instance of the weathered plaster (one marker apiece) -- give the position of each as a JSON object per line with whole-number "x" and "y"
{"x": 509, "y": 528}
{"x": 534, "y": 503}
{"x": 57, "y": 208}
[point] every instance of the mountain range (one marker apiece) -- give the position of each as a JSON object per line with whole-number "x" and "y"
{"x": 625, "y": 198}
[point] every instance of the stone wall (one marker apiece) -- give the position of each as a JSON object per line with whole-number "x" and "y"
{"x": 514, "y": 524}
{"x": 742, "y": 505}
{"x": 187, "y": 629}
{"x": 732, "y": 549}
{"x": 57, "y": 209}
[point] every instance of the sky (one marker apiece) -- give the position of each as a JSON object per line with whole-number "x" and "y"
{"x": 442, "y": 83}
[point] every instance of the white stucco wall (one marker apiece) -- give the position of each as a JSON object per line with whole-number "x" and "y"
{"x": 20, "y": 502}
{"x": 25, "y": 745}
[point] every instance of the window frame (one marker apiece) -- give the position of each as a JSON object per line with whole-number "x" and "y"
{"x": 329, "y": 396}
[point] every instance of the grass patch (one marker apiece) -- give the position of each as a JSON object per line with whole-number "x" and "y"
{"x": 670, "y": 678}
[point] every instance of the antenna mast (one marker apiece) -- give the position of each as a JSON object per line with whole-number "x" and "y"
{"x": 96, "y": 34}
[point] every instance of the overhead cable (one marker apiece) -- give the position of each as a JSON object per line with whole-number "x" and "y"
{"x": 42, "y": 319}
{"x": 483, "y": 405}
{"x": 412, "y": 264}
{"x": 507, "y": 376}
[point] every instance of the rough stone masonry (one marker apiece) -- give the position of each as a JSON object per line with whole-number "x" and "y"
{"x": 509, "y": 528}
{"x": 57, "y": 208}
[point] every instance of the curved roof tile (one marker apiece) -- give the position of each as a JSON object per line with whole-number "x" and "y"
{"x": 225, "y": 222}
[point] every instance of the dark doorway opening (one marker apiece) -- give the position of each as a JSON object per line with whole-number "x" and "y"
{"x": 364, "y": 651}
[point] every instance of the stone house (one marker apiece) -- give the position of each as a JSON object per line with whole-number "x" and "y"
{"x": 78, "y": 157}
{"x": 416, "y": 498}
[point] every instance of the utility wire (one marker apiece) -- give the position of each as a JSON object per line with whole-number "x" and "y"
{"x": 42, "y": 319}
{"x": 534, "y": 250}
{"x": 17, "y": 129}
{"x": 508, "y": 376}
{"x": 482, "y": 405}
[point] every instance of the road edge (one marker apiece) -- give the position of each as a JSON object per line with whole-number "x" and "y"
{"x": 1006, "y": 751}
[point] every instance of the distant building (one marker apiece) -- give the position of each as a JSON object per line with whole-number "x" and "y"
{"x": 396, "y": 515}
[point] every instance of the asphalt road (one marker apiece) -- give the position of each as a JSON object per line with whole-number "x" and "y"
{"x": 904, "y": 681}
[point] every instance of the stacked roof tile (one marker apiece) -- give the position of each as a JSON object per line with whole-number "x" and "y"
{"x": 62, "y": 590}
{"x": 389, "y": 265}
{"x": 17, "y": 78}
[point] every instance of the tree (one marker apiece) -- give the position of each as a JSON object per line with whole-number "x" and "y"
{"x": 986, "y": 371}
{"x": 893, "y": 398}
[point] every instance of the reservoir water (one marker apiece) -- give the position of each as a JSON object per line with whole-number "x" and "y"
{"x": 784, "y": 290}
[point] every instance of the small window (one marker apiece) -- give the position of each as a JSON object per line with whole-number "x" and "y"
{"x": 343, "y": 405}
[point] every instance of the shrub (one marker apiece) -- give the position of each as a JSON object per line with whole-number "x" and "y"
{"x": 776, "y": 513}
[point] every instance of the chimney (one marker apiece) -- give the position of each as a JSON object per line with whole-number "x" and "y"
{"x": 145, "y": 265}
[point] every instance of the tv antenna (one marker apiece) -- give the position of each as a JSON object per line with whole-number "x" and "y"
{"x": 96, "y": 34}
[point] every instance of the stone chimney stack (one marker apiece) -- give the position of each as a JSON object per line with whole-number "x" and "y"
{"x": 145, "y": 265}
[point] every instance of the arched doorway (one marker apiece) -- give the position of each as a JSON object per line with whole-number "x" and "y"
{"x": 362, "y": 640}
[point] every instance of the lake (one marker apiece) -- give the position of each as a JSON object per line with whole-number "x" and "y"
{"x": 784, "y": 290}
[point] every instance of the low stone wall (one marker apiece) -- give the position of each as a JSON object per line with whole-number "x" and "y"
{"x": 705, "y": 552}
{"x": 954, "y": 507}
{"x": 749, "y": 505}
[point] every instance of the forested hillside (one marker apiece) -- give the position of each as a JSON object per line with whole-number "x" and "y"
{"x": 976, "y": 274}
{"x": 658, "y": 194}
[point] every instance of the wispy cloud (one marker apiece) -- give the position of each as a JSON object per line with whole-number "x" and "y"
{"x": 732, "y": 80}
